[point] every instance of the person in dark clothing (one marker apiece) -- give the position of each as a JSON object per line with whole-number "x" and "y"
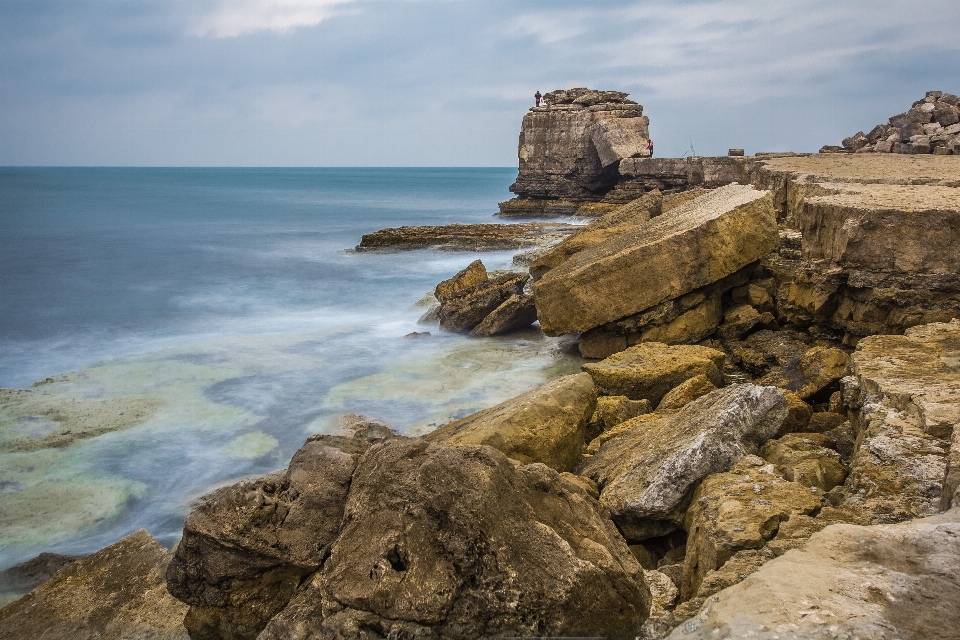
{"x": 537, "y": 97}
{"x": 650, "y": 147}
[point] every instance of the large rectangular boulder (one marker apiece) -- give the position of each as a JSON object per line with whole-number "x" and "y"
{"x": 694, "y": 245}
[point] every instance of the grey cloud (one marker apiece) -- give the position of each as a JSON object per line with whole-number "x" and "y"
{"x": 436, "y": 82}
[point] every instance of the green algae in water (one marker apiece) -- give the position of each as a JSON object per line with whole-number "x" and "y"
{"x": 250, "y": 445}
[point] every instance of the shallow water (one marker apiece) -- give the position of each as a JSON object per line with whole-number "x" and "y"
{"x": 193, "y": 326}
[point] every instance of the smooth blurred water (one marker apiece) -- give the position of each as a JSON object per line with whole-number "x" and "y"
{"x": 230, "y": 299}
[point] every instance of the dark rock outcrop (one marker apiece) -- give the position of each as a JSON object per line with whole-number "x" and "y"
{"x": 466, "y": 237}
{"x": 932, "y": 125}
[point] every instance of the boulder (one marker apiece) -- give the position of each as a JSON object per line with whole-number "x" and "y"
{"x": 516, "y": 313}
{"x": 614, "y": 410}
{"x": 906, "y": 390}
{"x": 800, "y": 458}
{"x": 649, "y": 370}
{"x": 798, "y": 416}
{"x": 467, "y": 279}
{"x": 738, "y": 321}
{"x": 688, "y": 319}
{"x": 694, "y": 245}
{"x": 824, "y": 421}
{"x": 247, "y": 547}
{"x": 648, "y": 420}
{"x": 547, "y": 424}
{"x": 117, "y": 593}
{"x": 625, "y": 217}
{"x": 686, "y": 392}
{"x": 647, "y": 475}
{"x": 463, "y": 311}
{"x": 848, "y": 581}
{"x": 737, "y": 510}
{"x": 458, "y": 541}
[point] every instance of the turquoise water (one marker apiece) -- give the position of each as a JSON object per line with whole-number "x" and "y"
{"x": 193, "y": 326}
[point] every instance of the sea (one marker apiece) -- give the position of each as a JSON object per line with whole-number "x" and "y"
{"x": 168, "y": 331}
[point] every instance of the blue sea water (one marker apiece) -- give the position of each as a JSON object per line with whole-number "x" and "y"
{"x": 230, "y": 302}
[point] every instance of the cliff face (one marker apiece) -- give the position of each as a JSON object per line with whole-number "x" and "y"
{"x": 570, "y": 149}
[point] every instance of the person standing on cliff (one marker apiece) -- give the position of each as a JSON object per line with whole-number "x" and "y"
{"x": 537, "y": 97}
{"x": 650, "y": 147}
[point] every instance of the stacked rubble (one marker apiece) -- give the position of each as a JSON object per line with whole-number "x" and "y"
{"x": 932, "y": 125}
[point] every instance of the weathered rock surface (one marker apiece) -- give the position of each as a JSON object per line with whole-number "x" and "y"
{"x": 848, "y": 581}
{"x": 686, "y": 392}
{"x": 569, "y": 151}
{"x": 649, "y": 370}
{"x": 463, "y": 312}
{"x": 612, "y": 410}
{"x": 647, "y": 476}
{"x": 247, "y": 547}
{"x": 517, "y": 312}
{"x": 685, "y": 320}
{"x": 465, "y": 280}
{"x": 117, "y": 593}
{"x": 547, "y": 424}
{"x": 466, "y": 237}
{"x": 444, "y": 541}
{"x": 694, "y": 245}
{"x": 738, "y": 510}
{"x": 801, "y": 458}
{"x": 907, "y": 393}
{"x": 625, "y": 217}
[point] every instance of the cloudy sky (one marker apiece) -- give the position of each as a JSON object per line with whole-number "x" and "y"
{"x": 446, "y": 82}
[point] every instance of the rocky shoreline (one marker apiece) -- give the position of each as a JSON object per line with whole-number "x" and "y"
{"x": 764, "y": 445}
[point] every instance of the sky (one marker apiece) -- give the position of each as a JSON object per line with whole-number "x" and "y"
{"x": 447, "y": 82}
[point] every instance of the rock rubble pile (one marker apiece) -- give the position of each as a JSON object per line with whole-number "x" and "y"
{"x": 932, "y": 125}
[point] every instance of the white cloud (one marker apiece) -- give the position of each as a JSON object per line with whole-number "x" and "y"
{"x": 231, "y": 18}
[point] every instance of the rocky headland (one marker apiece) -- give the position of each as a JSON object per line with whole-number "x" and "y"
{"x": 763, "y": 442}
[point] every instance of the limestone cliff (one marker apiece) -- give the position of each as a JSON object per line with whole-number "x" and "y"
{"x": 570, "y": 148}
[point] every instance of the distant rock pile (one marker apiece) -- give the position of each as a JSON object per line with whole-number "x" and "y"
{"x": 932, "y": 125}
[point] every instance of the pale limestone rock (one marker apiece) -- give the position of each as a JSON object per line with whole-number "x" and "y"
{"x": 908, "y": 406}
{"x": 694, "y": 245}
{"x": 649, "y": 370}
{"x": 847, "y": 581}
{"x": 117, "y": 593}
{"x": 736, "y": 510}
{"x": 647, "y": 475}
{"x": 547, "y": 424}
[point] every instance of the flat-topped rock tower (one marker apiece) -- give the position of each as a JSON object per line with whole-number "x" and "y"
{"x": 570, "y": 149}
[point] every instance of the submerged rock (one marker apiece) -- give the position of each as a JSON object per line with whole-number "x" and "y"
{"x": 648, "y": 475}
{"x": 444, "y": 541}
{"x": 117, "y": 593}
